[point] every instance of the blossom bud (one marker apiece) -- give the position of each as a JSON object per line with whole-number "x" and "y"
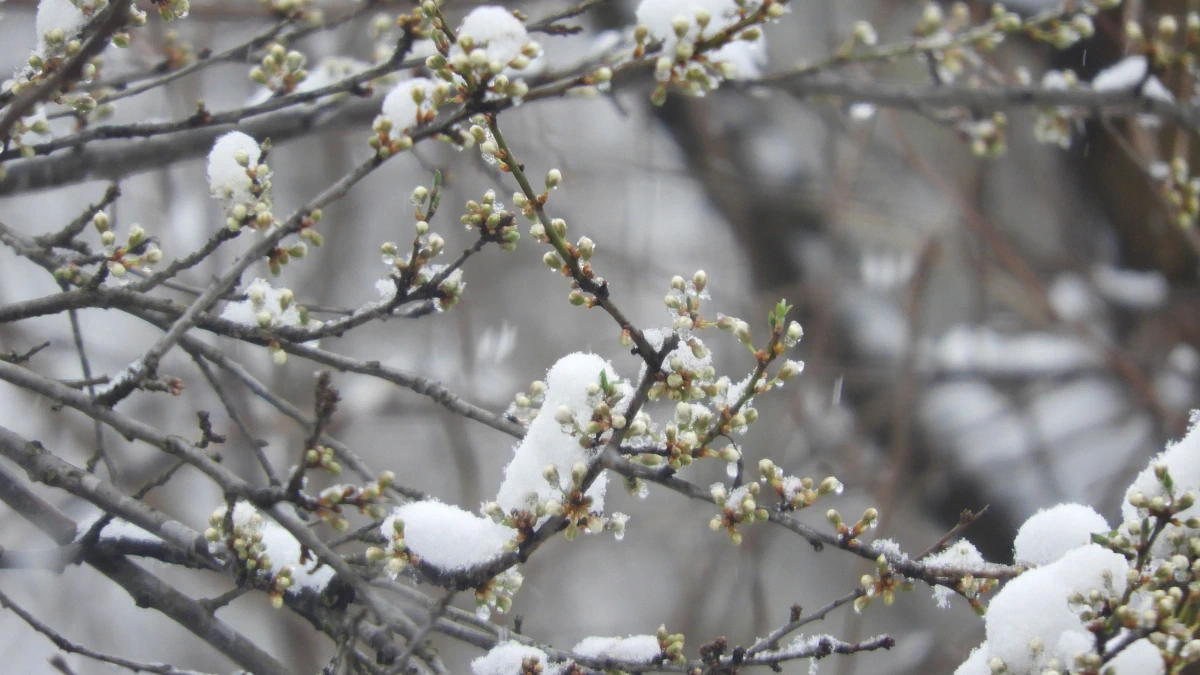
{"x": 564, "y": 415}
{"x": 742, "y": 331}
{"x": 794, "y": 331}
{"x": 790, "y": 369}
{"x": 578, "y": 472}
{"x": 553, "y": 178}
{"x": 680, "y": 25}
{"x": 829, "y": 485}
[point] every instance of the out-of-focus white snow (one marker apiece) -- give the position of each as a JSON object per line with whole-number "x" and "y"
{"x": 506, "y": 659}
{"x": 632, "y": 649}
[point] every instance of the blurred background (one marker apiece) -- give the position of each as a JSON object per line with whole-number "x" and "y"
{"x": 1012, "y": 333}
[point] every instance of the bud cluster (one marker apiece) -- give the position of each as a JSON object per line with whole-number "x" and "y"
{"x": 412, "y": 270}
{"x": 281, "y": 69}
{"x": 737, "y": 508}
{"x": 849, "y": 534}
{"x": 526, "y": 405}
{"x": 491, "y": 219}
{"x": 988, "y": 136}
{"x": 137, "y": 251}
{"x": 1164, "y": 44}
{"x": 884, "y": 583}
{"x": 698, "y": 55}
{"x": 1180, "y": 191}
{"x": 796, "y": 493}
{"x": 605, "y": 400}
{"x": 1057, "y": 125}
{"x": 479, "y": 62}
{"x": 956, "y": 46}
{"x": 683, "y": 303}
{"x": 497, "y": 593}
{"x": 256, "y": 211}
{"x": 671, "y": 644}
{"x": 244, "y": 538}
{"x": 268, "y": 307}
{"x": 411, "y": 104}
{"x": 301, "y": 10}
{"x": 323, "y": 458}
{"x": 367, "y": 499}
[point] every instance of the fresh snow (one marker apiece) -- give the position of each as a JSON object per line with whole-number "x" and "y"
{"x": 227, "y": 178}
{"x": 448, "y": 537}
{"x": 1050, "y": 533}
{"x": 506, "y": 657}
{"x": 632, "y": 649}
{"x": 546, "y": 443}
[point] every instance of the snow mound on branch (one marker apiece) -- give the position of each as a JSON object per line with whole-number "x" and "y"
{"x": 960, "y": 555}
{"x": 1128, "y": 73}
{"x": 227, "y": 178}
{"x": 58, "y": 15}
{"x": 1182, "y": 461}
{"x": 400, "y": 107}
{"x": 1036, "y": 605}
{"x": 264, "y": 307}
{"x": 747, "y": 57}
{"x": 496, "y": 30}
{"x": 547, "y": 443}
{"x": 1050, "y": 533}
{"x": 632, "y": 649}
{"x": 506, "y": 657}
{"x": 282, "y": 548}
{"x": 448, "y": 537}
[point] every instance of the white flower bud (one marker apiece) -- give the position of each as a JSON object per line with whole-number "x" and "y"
{"x": 564, "y": 415}
{"x": 790, "y": 369}
{"x": 578, "y": 472}
{"x": 680, "y": 25}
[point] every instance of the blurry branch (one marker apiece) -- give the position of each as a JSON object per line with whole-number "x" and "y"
{"x": 68, "y": 646}
{"x": 204, "y": 118}
{"x": 923, "y": 99}
{"x": 45, "y": 467}
{"x": 239, "y": 52}
{"x": 1119, "y": 361}
{"x": 549, "y": 24}
{"x": 146, "y": 589}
